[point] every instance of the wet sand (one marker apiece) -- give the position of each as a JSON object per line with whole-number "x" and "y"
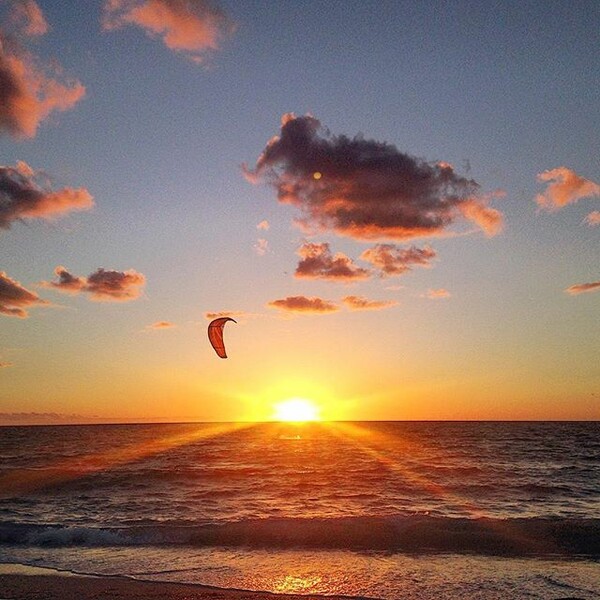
{"x": 58, "y": 587}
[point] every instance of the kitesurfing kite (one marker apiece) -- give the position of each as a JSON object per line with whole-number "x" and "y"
{"x": 215, "y": 334}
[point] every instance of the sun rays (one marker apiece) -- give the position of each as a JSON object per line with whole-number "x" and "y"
{"x": 21, "y": 481}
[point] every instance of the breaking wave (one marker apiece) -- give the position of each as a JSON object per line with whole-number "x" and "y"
{"x": 485, "y": 536}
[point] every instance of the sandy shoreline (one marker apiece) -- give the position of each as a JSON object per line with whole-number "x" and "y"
{"x": 58, "y": 587}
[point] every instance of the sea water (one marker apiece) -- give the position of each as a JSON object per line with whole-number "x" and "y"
{"x": 381, "y": 509}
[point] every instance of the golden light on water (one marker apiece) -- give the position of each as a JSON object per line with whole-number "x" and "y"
{"x": 296, "y": 410}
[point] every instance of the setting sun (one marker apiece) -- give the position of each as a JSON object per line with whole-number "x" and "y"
{"x": 296, "y": 409}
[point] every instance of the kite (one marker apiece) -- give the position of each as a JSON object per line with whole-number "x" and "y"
{"x": 215, "y": 334}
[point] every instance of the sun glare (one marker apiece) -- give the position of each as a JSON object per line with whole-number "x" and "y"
{"x": 296, "y": 410}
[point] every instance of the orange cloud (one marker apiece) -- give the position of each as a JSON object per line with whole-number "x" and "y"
{"x": 264, "y": 224}
{"x": 581, "y": 288}
{"x": 593, "y": 219}
{"x": 29, "y": 90}
{"x": 224, "y": 313}
{"x": 4, "y": 365}
{"x": 161, "y": 325}
{"x": 304, "y": 304}
{"x": 366, "y": 189}
{"x": 565, "y": 187}
{"x": 261, "y": 247}
{"x": 360, "y": 303}
{"x": 102, "y": 285}
{"x": 28, "y": 17}
{"x": 192, "y": 28}
{"x": 26, "y": 194}
{"x": 488, "y": 219}
{"x": 319, "y": 263}
{"x": 15, "y": 300}
{"x": 437, "y": 294}
{"x": 392, "y": 260}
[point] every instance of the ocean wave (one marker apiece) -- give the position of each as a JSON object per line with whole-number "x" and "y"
{"x": 484, "y": 536}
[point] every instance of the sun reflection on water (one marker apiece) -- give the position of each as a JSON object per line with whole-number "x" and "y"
{"x": 296, "y": 584}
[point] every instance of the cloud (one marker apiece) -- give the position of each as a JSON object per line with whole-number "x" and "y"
{"x": 304, "y": 304}
{"x": 264, "y": 224}
{"x": 26, "y": 194}
{"x": 593, "y": 219}
{"x": 581, "y": 288}
{"x": 360, "y": 303}
{"x": 565, "y": 187}
{"x": 161, "y": 325}
{"x": 66, "y": 282}
{"x": 191, "y": 27}
{"x": 224, "y": 313}
{"x": 365, "y": 189}
{"x": 261, "y": 247}
{"x": 30, "y": 90}
{"x": 15, "y": 300}
{"x": 319, "y": 263}
{"x": 28, "y": 17}
{"x": 102, "y": 285}
{"x": 4, "y": 365}
{"x": 437, "y": 294}
{"x": 35, "y": 418}
{"x": 392, "y": 260}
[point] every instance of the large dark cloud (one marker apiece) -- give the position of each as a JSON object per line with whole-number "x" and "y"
{"x": 102, "y": 285}
{"x": 366, "y": 189}
{"x": 15, "y": 300}
{"x": 392, "y": 260}
{"x": 319, "y": 263}
{"x": 27, "y": 194}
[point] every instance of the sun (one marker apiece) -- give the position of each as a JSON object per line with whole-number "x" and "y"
{"x": 296, "y": 410}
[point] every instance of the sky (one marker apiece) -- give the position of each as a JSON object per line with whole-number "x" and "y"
{"x": 398, "y": 203}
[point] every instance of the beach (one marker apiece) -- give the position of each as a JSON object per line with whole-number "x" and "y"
{"x": 396, "y": 511}
{"x": 20, "y": 583}
{"x": 464, "y": 580}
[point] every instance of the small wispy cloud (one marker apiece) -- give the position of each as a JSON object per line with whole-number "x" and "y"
{"x": 437, "y": 294}
{"x": 102, "y": 285}
{"x": 582, "y": 288}
{"x": 224, "y": 313}
{"x": 27, "y": 16}
{"x": 593, "y": 219}
{"x": 16, "y": 300}
{"x": 392, "y": 260}
{"x": 264, "y": 225}
{"x": 261, "y": 247}
{"x": 564, "y": 187}
{"x": 304, "y": 304}
{"x": 361, "y": 303}
{"x": 192, "y": 28}
{"x": 159, "y": 325}
{"x": 4, "y": 365}
{"x": 319, "y": 263}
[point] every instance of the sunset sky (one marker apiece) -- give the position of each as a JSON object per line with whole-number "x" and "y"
{"x": 398, "y": 202}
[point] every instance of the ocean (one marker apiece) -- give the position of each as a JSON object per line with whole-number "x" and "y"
{"x": 476, "y": 510}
